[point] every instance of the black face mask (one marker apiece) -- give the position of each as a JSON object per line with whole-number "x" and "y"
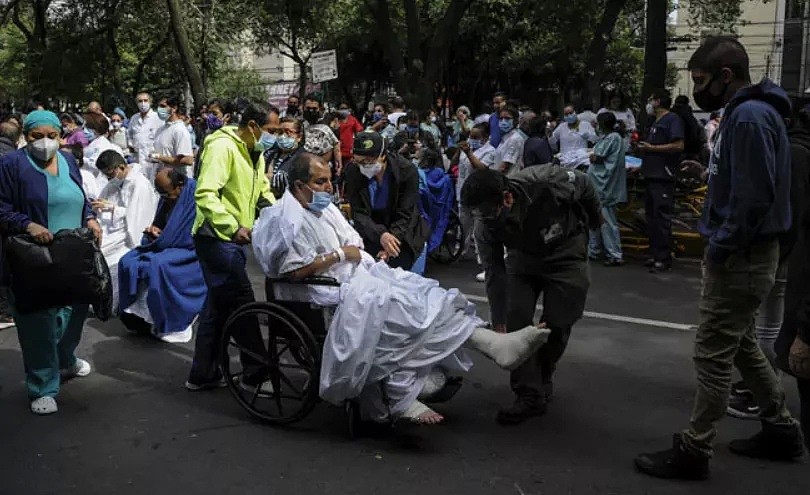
{"x": 706, "y": 100}
{"x": 292, "y": 110}
{"x": 311, "y": 116}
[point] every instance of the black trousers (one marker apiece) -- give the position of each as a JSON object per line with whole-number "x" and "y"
{"x": 804, "y": 415}
{"x": 659, "y": 206}
{"x": 562, "y": 280}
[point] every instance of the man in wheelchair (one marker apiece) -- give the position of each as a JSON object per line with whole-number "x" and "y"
{"x": 394, "y": 334}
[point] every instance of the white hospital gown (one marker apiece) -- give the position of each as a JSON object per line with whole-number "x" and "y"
{"x": 390, "y": 325}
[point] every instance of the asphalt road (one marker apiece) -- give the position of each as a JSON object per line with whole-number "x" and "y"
{"x": 623, "y": 388}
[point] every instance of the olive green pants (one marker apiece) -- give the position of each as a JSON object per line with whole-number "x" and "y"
{"x": 730, "y": 296}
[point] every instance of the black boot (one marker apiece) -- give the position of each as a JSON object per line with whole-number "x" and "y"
{"x": 522, "y": 409}
{"x": 676, "y": 463}
{"x": 774, "y": 442}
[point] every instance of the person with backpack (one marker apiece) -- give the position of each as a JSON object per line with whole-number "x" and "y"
{"x": 661, "y": 158}
{"x": 541, "y": 215}
{"x": 694, "y": 135}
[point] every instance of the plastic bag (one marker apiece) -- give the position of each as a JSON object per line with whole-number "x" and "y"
{"x": 70, "y": 270}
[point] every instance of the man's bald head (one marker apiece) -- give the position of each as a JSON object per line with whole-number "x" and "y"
{"x": 169, "y": 183}
{"x": 11, "y": 131}
{"x": 94, "y": 107}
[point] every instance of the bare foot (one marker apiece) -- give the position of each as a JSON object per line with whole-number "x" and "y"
{"x": 430, "y": 418}
{"x": 422, "y": 414}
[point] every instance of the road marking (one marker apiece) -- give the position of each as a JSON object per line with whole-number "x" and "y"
{"x": 607, "y": 316}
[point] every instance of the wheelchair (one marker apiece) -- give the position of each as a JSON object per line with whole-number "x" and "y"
{"x": 282, "y": 341}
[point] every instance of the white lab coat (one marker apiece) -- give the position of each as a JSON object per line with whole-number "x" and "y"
{"x": 91, "y": 154}
{"x": 134, "y": 206}
{"x": 389, "y": 324}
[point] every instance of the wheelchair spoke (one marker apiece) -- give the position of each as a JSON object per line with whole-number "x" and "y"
{"x": 258, "y": 357}
{"x": 290, "y": 384}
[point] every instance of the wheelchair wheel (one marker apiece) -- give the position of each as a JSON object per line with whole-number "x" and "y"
{"x": 262, "y": 342}
{"x": 452, "y": 242}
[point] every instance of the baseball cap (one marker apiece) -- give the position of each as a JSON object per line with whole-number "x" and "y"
{"x": 368, "y": 144}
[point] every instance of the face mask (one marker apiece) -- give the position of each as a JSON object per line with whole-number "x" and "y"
{"x": 286, "y": 143}
{"x": 371, "y": 170}
{"x": 650, "y": 109}
{"x": 117, "y": 125}
{"x": 267, "y": 140}
{"x": 706, "y": 100}
{"x": 163, "y": 113}
{"x": 344, "y": 113}
{"x": 292, "y": 109}
{"x": 213, "y": 122}
{"x": 475, "y": 143}
{"x": 403, "y": 127}
{"x": 433, "y": 120}
{"x": 571, "y": 118}
{"x": 320, "y": 200}
{"x": 376, "y": 117}
{"x": 90, "y": 134}
{"x": 115, "y": 182}
{"x": 311, "y": 116}
{"x": 412, "y": 128}
{"x": 505, "y": 125}
{"x": 144, "y": 106}
{"x": 43, "y": 149}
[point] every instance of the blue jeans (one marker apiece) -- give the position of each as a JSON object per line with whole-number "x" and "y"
{"x": 48, "y": 339}
{"x": 608, "y": 236}
{"x": 224, "y": 270}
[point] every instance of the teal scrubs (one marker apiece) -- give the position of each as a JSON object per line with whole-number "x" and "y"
{"x": 48, "y": 338}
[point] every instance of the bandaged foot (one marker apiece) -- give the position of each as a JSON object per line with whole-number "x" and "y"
{"x": 509, "y": 350}
{"x": 422, "y": 414}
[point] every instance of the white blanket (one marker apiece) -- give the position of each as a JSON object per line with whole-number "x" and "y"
{"x": 390, "y": 325}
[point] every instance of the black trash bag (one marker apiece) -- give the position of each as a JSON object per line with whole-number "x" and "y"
{"x": 70, "y": 270}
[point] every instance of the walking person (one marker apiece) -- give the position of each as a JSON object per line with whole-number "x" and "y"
{"x": 747, "y": 209}
{"x": 231, "y": 187}
{"x": 540, "y": 215}
{"x": 610, "y": 178}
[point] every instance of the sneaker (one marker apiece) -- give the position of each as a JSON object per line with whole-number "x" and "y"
{"x": 677, "y": 462}
{"x": 266, "y": 388}
{"x": 774, "y": 442}
{"x": 613, "y": 262}
{"x": 743, "y": 406}
{"x": 660, "y": 267}
{"x": 43, "y": 406}
{"x": 6, "y": 321}
{"x": 740, "y": 388}
{"x": 481, "y": 277}
{"x": 213, "y": 384}
{"x": 80, "y": 368}
{"x": 522, "y": 409}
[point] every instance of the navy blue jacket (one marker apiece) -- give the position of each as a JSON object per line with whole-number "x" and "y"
{"x": 749, "y": 173}
{"x": 24, "y": 193}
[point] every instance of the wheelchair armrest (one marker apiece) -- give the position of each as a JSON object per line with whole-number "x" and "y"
{"x": 317, "y": 280}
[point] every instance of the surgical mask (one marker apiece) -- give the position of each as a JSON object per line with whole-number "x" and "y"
{"x": 213, "y": 122}
{"x": 433, "y": 119}
{"x": 117, "y": 125}
{"x": 650, "y": 109}
{"x": 412, "y": 128}
{"x": 320, "y": 200}
{"x": 163, "y": 113}
{"x": 267, "y": 140}
{"x": 344, "y": 113}
{"x": 475, "y": 143}
{"x": 286, "y": 143}
{"x": 311, "y": 116}
{"x": 505, "y": 125}
{"x": 370, "y": 171}
{"x": 403, "y": 127}
{"x": 377, "y": 116}
{"x": 90, "y": 134}
{"x": 706, "y": 100}
{"x": 144, "y": 106}
{"x": 43, "y": 149}
{"x": 115, "y": 182}
{"x": 571, "y": 118}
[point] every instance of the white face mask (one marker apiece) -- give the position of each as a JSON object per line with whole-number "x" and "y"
{"x": 117, "y": 125}
{"x": 43, "y": 149}
{"x": 371, "y": 170}
{"x": 144, "y": 106}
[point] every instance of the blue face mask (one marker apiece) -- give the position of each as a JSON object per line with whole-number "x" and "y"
{"x": 376, "y": 117}
{"x": 286, "y": 143}
{"x": 265, "y": 142}
{"x": 163, "y": 113}
{"x": 505, "y": 125}
{"x": 90, "y": 134}
{"x": 571, "y": 118}
{"x": 320, "y": 201}
{"x": 412, "y": 128}
{"x": 475, "y": 143}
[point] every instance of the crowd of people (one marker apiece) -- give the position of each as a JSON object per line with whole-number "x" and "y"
{"x": 175, "y": 201}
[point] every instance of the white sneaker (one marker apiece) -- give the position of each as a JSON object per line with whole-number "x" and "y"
{"x": 79, "y": 369}
{"x": 182, "y": 337}
{"x": 266, "y": 388}
{"x": 44, "y": 405}
{"x": 481, "y": 277}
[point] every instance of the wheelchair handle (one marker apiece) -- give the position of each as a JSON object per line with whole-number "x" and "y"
{"x": 323, "y": 281}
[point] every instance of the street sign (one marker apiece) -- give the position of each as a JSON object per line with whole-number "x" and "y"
{"x": 324, "y": 66}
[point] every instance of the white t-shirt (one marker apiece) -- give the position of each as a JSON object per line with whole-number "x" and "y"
{"x": 511, "y": 151}
{"x": 623, "y": 115}
{"x": 393, "y": 118}
{"x": 484, "y": 117}
{"x": 573, "y": 143}
{"x": 141, "y": 134}
{"x": 588, "y": 116}
{"x": 485, "y": 154}
{"x": 172, "y": 139}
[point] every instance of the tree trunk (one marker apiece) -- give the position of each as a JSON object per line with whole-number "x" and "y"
{"x": 595, "y": 59}
{"x": 185, "y": 53}
{"x": 655, "y": 52}
{"x": 302, "y": 80}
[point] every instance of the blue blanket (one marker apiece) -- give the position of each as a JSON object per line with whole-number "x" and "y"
{"x": 437, "y": 203}
{"x": 169, "y": 265}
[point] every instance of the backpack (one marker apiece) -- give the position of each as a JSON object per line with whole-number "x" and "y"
{"x": 694, "y": 135}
